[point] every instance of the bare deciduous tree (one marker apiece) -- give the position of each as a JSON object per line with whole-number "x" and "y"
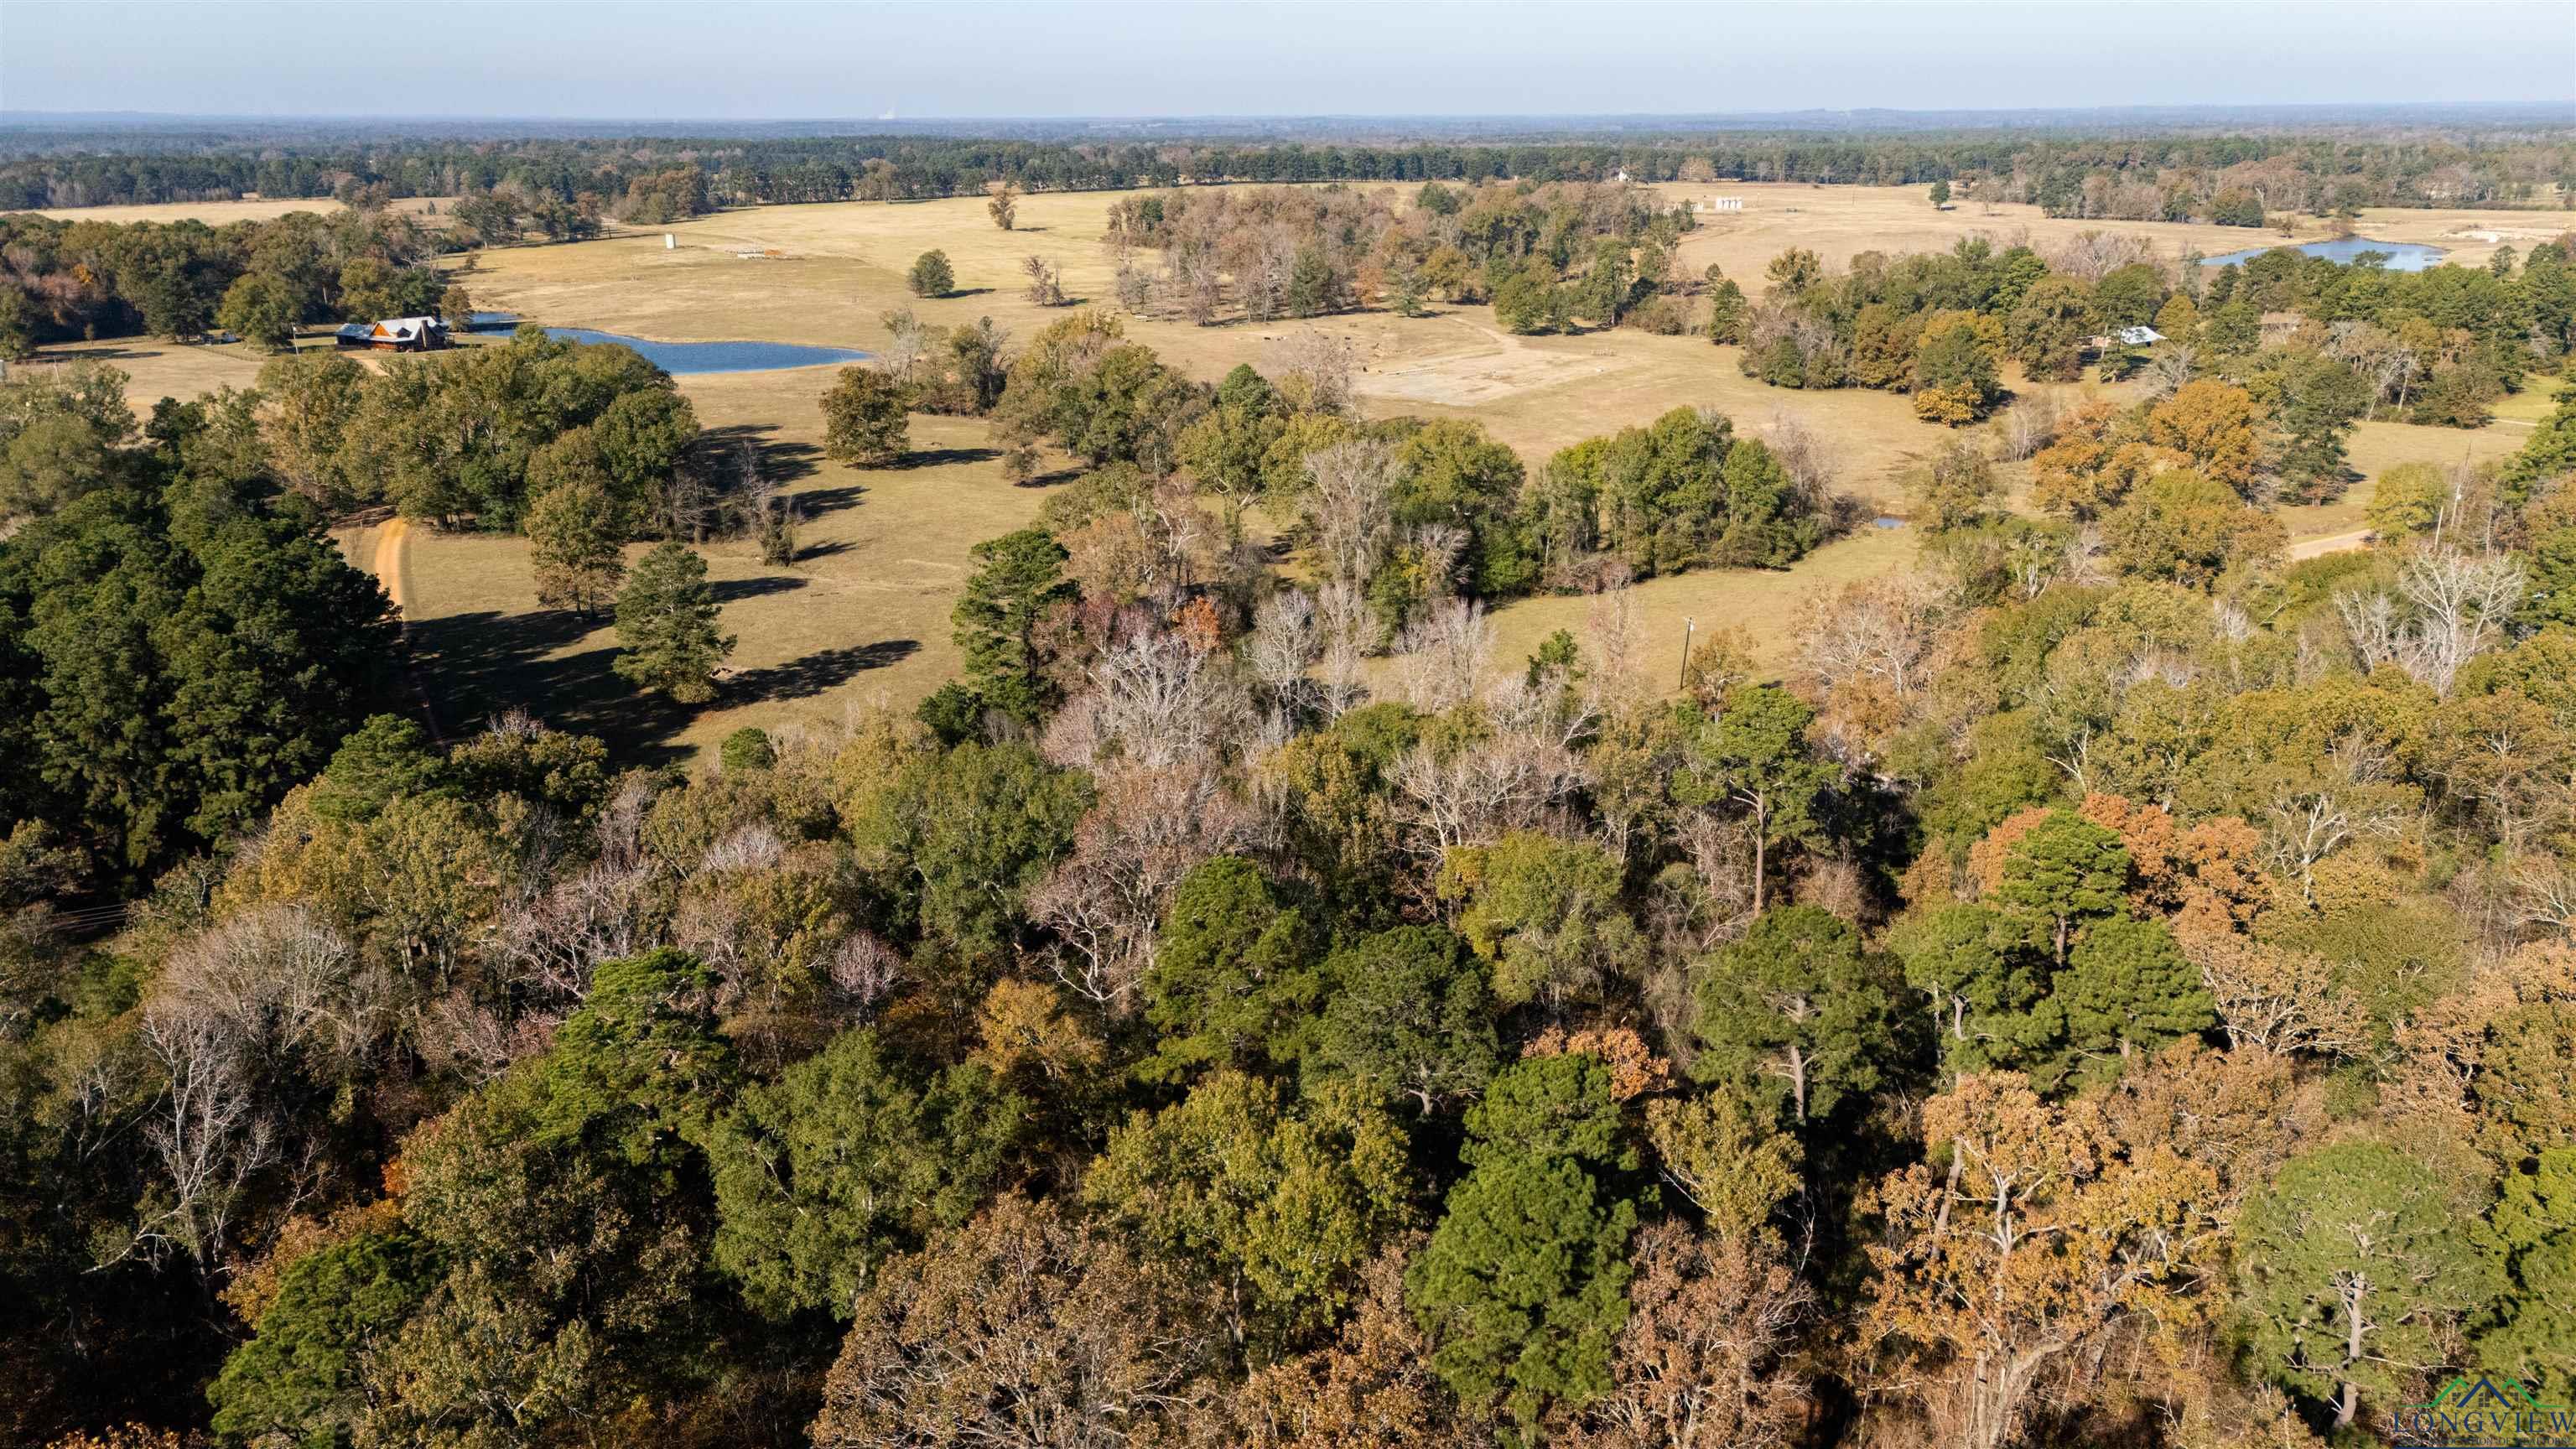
{"x": 1445, "y": 656}
{"x": 2277, "y": 998}
{"x": 553, "y": 942}
{"x": 1518, "y": 777}
{"x": 1617, "y": 639}
{"x": 1283, "y": 646}
{"x": 1151, "y": 826}
{"x": 2459, "y": 605}
{"x": 2092, "y": 255}
{"x": 1703, "y": 1360}
{"x": 1315, "y": 369}
{"x": 1883, "y": 630}
{"x": 2172, "y": 365}
{"x": 1046, "y": 285}
{"x": 208, "y": 1133}
{"x": 1153, "y": 701}
{"x": 1806, "y": 455}
{"x": 1343, "y": 624}
{"x": 1350, "y": 485}
{"x": 279, "y": 978}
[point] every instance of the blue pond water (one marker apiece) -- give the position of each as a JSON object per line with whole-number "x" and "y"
{"x": 677, "y": 358}
{"x": 2402, "y": 256}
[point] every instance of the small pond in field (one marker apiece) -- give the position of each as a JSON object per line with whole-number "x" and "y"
{"x": 2402, "y": 256}
{"x": 680, "y": 358}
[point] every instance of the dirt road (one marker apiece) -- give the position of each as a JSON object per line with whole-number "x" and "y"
{"x": 392, "y": 547}
{"x": 2331, "y": 543}
{"x": 388, "y": 564}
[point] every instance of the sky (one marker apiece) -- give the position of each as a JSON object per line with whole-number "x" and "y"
{"x": 760, "y": 59}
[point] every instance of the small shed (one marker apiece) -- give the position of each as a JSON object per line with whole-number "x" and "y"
{"x": 395, "y": 334}
{"x": 1719, "y": 203}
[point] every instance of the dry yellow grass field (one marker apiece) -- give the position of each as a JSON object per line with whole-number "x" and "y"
{"x": 865, "y": 612}
{"x": 1837, "y": 222}
{"x": 862, "y": 613}
{"x": 430, "y": 209}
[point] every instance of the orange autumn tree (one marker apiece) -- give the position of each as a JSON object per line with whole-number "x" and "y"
{"x": 2032, "y": 1238}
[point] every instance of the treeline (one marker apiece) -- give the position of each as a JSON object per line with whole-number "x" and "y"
{"x": 2087, "y": 1000}
{"x": 2133, "y": 177}
{"x": 457, "y": 438}
{"x": 66, "y": 281}
{"x": 2437, "y": 346}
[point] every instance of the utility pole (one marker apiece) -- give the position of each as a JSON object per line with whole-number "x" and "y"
{"x": 1689, "y": 626}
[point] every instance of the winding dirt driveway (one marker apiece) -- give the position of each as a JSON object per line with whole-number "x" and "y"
{"x": 388, "y": 564}
{"x": 392, "y": 540}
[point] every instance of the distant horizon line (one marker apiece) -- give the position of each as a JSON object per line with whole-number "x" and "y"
{"x": 18, "y": 115}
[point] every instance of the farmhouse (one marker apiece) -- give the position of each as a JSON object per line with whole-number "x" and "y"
{"x": 396, "y": 334}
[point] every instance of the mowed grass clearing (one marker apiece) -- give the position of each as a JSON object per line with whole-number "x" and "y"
{"x": 864, "y": 614}
{"x": 861, "y": 615}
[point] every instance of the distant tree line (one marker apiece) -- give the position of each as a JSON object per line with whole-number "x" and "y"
{"x": 1270, "y": 252}
{"x": 2437, "y": 346}
{"x": 63, "y": 281}
{"x": 2131, "y": 177}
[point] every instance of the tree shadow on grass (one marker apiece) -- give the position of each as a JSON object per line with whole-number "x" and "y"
{"x": 781, "y": 461}
{"x": 936, "y": 457}
{"x": 481, "y": 665}
{"x": 813, "y": 551}
{"x": 814, "y": 673}
{"x": 730, "y": 591}
{"x": 815, "y": 502}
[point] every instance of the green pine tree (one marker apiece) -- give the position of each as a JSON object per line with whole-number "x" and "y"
{"x": 1020, "y": 583}
{"x": 666, "y": 626}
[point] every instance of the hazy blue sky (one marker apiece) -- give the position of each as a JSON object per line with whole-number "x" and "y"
{"x": 725, "y": 58}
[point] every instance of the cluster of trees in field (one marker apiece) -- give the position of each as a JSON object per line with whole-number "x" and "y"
{"x": 2234, "y": 180}
{"x": 1266, "y": 253}
{"x": 1402, "y": 516}
{"x": 2435, "y": 346}
{"x": 74, "y": 280}
{"x": 2076, "y": 996}
{"x": 477, "y": 435}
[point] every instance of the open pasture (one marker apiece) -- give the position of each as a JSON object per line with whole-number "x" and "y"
{"x": 864, "y": 611}
{"x": 432, "y": 210}
{"x": 1839, "y": 222}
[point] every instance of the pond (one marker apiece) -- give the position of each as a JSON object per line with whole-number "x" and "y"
{"x": 2402, "y": 256}
{"x": 680, "y": 358}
